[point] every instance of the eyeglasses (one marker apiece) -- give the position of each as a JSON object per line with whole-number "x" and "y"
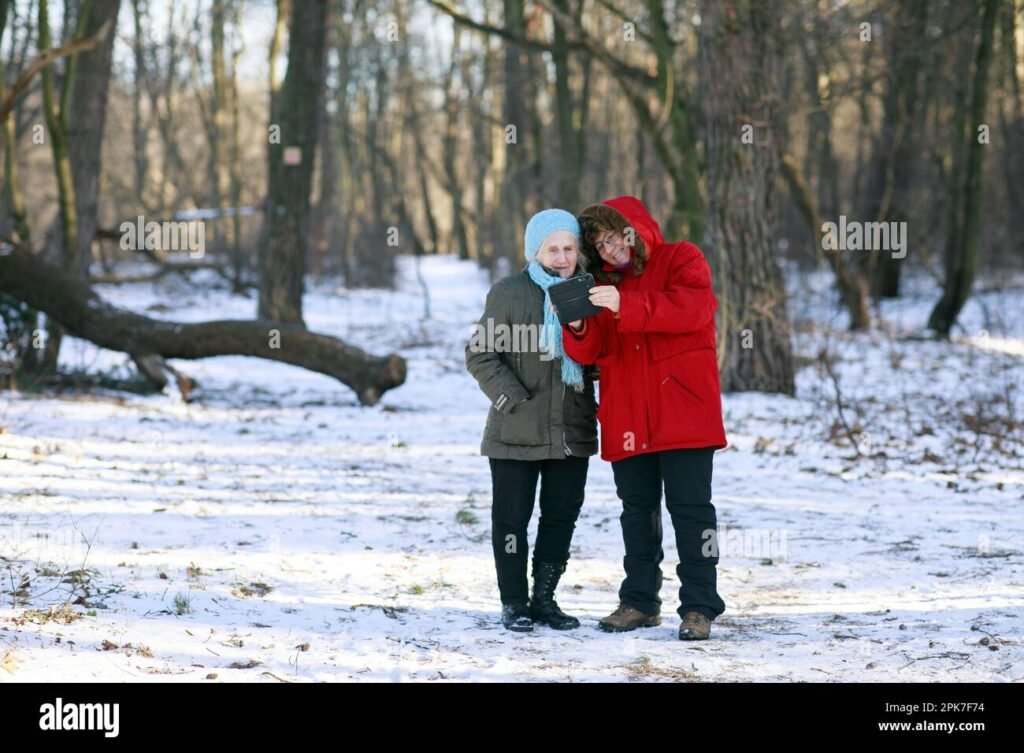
{"x": 606, "y": 243}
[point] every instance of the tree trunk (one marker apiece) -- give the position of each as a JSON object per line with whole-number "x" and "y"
{"x": 75, "y": 123}
{"x": 10, "y": 181}
{"x": 323, "y": 213}
{"x": 283, "y": 248}
{"x": 962, "y": 249}
{"x": 863, "y": 122}
{"x": 65, "y": 235}
{"x": 1013, "y": 133}
{"x": 235, "y": 169}
{"x": 851, "y": 286}
{"x": 163, "y": 90}
{"x": 451, "y": 137}
{"x": 482, "y": 131}
{"x": 687, "y": 218}
{"x": 739, "y": 43}
{"x": 216, "y": 126}
{"x": 140, "y": 131}
{"x": 893, "y": 161}
{"x": 284, "y": 13}
{"x": 511, "y": 201}
{"x": 346, "y": 151}
{"x": 570, "y": 167}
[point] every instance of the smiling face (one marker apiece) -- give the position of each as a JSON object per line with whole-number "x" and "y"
{"x": 558, "y": 253}
{"x": 612, "y": 248}
{"x": 611, "y": 245}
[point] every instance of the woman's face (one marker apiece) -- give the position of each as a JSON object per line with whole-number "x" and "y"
{"x": 558, "y": 253}
{"x": 612, "y": 248}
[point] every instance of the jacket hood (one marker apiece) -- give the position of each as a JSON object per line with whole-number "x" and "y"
{"x": 639, "y": 218}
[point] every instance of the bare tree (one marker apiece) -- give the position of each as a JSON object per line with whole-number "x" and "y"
{"x": 965, "y": 217}
{"x": 283, "y": 250}
{"x": 739, "y": 40}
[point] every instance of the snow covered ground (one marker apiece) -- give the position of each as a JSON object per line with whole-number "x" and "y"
{"x": 272, "y": 530}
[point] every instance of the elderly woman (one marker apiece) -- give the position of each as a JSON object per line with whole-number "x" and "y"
{"x": 541, "y": 425}
{"x": 661, "y": 406}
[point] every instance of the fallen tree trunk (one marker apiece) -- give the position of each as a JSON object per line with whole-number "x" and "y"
{"x": 84, "y": 314}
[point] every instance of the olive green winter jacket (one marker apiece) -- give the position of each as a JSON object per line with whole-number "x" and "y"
{"x": 533, "y": 415}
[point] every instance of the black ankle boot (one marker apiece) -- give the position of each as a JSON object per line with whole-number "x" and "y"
{"x": 543, "y": 607}
{"x": 516, "y": 616}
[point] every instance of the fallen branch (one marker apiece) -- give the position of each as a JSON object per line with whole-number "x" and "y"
{"x": 74, "y": 304}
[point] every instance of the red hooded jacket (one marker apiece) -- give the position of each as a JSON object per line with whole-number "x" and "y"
{"x": 659, "y": 387}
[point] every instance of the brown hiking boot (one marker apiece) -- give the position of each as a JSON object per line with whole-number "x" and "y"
{"x": 627, "y": 618}
{"x": 695, "y": 627}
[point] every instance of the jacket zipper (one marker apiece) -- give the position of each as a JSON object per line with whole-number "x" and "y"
{"x": 647, "y": 413}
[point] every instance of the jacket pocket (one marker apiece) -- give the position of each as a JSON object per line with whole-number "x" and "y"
{"x": 524, "y": 425}
{"x": 686, "y": 391}
{"x": 580, "y": 416}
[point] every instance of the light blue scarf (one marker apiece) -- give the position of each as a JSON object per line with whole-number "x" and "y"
{"x": 551, "y": 331}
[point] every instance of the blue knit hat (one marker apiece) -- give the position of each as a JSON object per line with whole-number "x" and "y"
{"x": 543, "y": 224}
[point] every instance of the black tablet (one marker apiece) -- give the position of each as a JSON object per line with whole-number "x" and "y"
{"x": 572, "y": 298}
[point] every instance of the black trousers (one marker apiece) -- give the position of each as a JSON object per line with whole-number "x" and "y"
{"x": 514, "y": 487}
{"x": 686, "y": 475}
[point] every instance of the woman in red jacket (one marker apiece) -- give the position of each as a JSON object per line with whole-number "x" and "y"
{"x": 660, "y": 406}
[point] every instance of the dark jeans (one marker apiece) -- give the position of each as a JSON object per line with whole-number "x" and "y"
{"x": 514, "y": 485}
{"x": 687, "y": 478}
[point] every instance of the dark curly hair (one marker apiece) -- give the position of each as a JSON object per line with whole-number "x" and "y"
{"x": 595, "y": 221}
